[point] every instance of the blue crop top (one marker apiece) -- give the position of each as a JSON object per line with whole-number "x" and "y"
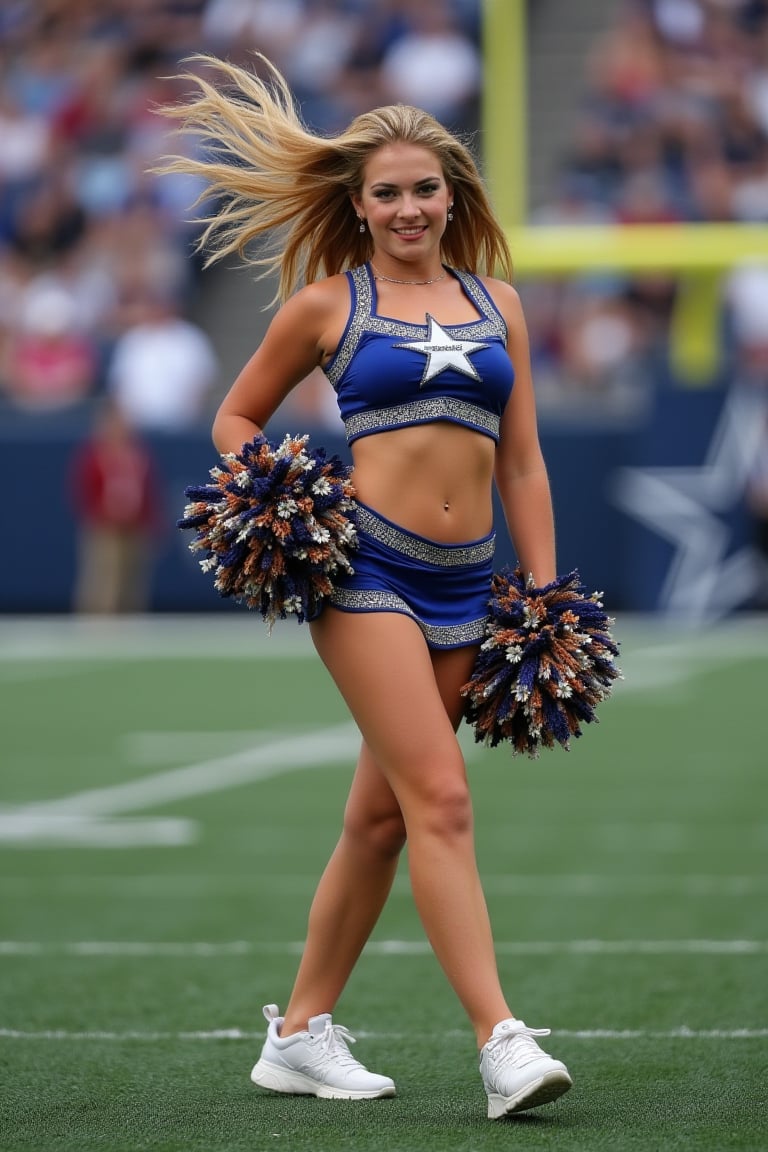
{"x": 390, "y": 374}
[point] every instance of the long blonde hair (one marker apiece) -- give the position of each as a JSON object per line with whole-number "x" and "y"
{"x": 272, "y": 177}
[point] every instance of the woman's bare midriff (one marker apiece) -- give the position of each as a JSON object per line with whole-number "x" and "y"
{"x": 432, "y": 479}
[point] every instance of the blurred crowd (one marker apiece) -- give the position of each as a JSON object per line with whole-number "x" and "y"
{"x": 97, "y": 274}
{"x": 673, "y": 128}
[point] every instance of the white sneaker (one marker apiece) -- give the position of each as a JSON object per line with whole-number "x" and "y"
{"x": 317, "y": 1062}
{"x": 516, "y": 1073}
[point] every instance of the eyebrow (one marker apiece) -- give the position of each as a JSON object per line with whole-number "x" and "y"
{"x": 416, "y": 183}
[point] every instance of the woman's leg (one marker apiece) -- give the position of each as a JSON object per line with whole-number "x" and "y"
{"x": 350, "y": 896}
{"x": 358, "y": 878}
{"x": 406, "y": 707}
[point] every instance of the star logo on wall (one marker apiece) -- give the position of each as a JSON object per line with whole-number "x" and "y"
{"x": 444, "y": 351}
{"x": 692, "y": 509}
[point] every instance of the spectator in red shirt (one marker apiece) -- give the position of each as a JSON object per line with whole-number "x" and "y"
{"x": 116, "y": 501}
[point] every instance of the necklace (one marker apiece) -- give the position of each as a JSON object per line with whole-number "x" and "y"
{"x": 413, "y": 283}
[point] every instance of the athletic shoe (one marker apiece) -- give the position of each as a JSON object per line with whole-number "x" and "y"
{"x": 516, "y": 1073}
{"x": 317, "y": 1062}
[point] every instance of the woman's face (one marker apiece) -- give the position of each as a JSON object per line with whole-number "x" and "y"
{"x": 404, "y": 201}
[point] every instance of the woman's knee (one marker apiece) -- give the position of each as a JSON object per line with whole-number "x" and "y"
{"x": 441, "y": 807}
{"x": 380, "y": 832}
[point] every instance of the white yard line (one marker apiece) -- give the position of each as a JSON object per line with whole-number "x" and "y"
{"x": 681, "y": 1033}
{"x": 177, "y": 747}
{"x": 270, "y": 757}
{"x": 179, "y": 885}
{"x": 96, "y": 816}
{"x": 212, "y": 949}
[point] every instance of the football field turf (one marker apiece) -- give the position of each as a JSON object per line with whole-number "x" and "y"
{"x": 170, "y": 790}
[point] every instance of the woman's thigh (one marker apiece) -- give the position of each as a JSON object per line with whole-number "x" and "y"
{"x": 404, "y": 698}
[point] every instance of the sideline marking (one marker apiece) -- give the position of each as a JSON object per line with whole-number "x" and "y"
{"x": 207, "y": 949}
{"x": 650, "y": 650}
{"x": 73, "y": 639}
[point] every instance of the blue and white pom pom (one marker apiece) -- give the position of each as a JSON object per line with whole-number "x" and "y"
{"x": 274, "y": 526}
{"x": 545, "y": 665}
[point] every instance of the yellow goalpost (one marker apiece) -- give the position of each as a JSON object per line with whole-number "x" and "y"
{"x": 699, "y": 254}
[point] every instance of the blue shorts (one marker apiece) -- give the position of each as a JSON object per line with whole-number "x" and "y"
{"x": 444, "y": 588}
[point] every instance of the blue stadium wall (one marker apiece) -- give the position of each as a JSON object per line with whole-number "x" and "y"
{"x": 614, "y": 550}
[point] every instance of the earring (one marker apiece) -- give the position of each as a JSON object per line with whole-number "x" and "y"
{"x": 362, "y": 223}
{"x": 450, "y": 213}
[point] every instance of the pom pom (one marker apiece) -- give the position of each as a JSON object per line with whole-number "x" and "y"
{"x": 274, "y": 526}
{"x": 546, "y": 663}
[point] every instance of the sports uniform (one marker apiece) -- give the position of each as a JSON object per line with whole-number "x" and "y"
{"x": 391, "y": 374}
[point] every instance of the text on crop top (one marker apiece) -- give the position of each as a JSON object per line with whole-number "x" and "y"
{"x": 391, "y": 374}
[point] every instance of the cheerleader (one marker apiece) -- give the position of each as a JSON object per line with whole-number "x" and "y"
{"x": 393, "y": 278}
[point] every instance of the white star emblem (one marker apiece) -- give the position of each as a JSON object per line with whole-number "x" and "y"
{"x": 444, "y": 351}
{"x": 694, "y": 509}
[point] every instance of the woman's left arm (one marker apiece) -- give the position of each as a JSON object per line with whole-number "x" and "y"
{"x": 520, "y": 472}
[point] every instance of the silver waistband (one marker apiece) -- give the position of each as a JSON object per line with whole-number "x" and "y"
{"x": 418, "y": 548}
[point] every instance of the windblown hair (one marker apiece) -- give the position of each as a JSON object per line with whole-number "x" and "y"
{"x": 271, "y": 177}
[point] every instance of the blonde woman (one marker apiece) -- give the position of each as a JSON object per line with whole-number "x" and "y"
{"x": 390, "y": 231}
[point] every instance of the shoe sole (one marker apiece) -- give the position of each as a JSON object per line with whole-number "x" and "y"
{"x": 542, "y": 1091}
{"x": 277, "y": 1079}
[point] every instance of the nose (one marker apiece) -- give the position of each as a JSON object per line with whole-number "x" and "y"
{"x": 408, "y": 206}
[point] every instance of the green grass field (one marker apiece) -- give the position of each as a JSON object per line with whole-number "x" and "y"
{"x": 170, "y": 790}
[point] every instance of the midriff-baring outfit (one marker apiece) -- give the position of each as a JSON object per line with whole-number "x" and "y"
{"x": 391, "y": 374}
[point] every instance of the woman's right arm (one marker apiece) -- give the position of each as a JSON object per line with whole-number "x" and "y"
{"x": 292, "y": 346}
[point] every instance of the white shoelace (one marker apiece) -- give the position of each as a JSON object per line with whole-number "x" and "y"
{"x": 334, "y": 1042}
{"x": 525, "y": 1047}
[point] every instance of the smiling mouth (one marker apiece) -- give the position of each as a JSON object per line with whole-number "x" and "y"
{"x": 413, "y": 231}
